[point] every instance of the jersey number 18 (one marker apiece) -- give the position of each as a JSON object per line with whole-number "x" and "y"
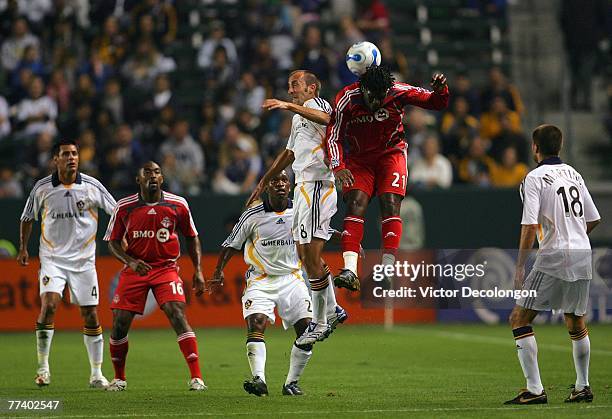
{"x": 575, "y": 204}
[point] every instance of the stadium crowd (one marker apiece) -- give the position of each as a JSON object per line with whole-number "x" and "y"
{"x": 106, "y": 74}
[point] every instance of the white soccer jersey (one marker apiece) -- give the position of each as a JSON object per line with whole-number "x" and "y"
{"x": 69, "y": 219}
{"x": 555, "y": 197}
{"x": 307, "y": 143}
{"x": 269, "y": 249}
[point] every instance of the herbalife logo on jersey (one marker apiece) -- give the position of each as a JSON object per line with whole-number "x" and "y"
{"x": 280, "y": 221}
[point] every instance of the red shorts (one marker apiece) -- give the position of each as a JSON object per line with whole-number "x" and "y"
{"x": 131, "y": 293}
{"x": 386, "y": 173}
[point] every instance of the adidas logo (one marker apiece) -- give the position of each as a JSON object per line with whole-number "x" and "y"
{"x": 67, "y": 194}
{"x": 192, "y": 356}
{"x": 280, "y": 221}
{"x": 390, "y": 234}
{"x": 346, "y": 233}
{"x": 152, "y": 212}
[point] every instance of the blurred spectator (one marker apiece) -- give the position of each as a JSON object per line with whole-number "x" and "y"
{"x": 250, "y": 94}
{"x": 38, "y": 159}
{"x": 38, "y": 112}
{"x": 111, "y": 44}
{"x": 499, "y": 86}
{"x": 373, "y": 19}
{"x": 66, "y": 42}
{"x": 433, "y": 170}
{"x": 122, "y": 159}
{"x": 419, "y": 124}
{"x": 142, "y": 67}
{"x": 217, "y": 38}
{"x": 394, "y": 59}
{"x": 112, "y": 100}
{"x": 31, "y": 61}
{"x": 491, "y": 121}
{"x": 509, "y": 138}
{"x": 458, "y": 117}
{"x": 510, "y": 172}
{"x": 608, "y": 117}
{"x": 14, "y": 46}
{"x": 9, "y": 13}
{"x": 104, "y": 127}
{"x": 583, "y": 25}
{"x": 59, "y": 91}
{"x": 462, "y": 88}
{"x": 162, "y": 95}
{"x": 97, "y": 70}
{"x": 312, "y": 55}
{"x": 162, "y": 15}
{"x": 239, "y": 174}
{"x": 85, "y": 91}
{"x": 221, "y": 73}
{"x": 78, "y": 120}
{"x": 476, "y": 168}
{"x": 263, "y": 65}
{"x": 87, "y": 153}
{"x": 5, "y": 122}
{"x": 275, "y": 141}
{"x": 9, "y": 185}
{"x": 182, "y": 159}
{"x": 35, "y": 10}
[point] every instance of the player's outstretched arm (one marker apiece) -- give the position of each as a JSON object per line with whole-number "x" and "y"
{"x": 528, "y": 236}
{"x": 284, "y": 159}
{"x": 224, "y": 257}
{"x": 137, "y": 265}
{"x": 195, "y": 253}
{"x": 311, "y": 114}
{"x": 25, "y": 230}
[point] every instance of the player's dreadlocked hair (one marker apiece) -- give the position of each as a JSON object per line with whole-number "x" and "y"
{"x": 377, "y": 79}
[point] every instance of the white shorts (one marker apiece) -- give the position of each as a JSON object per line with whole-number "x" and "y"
{"x": 555, "y": 294}
{"x": 84, "y": 290}
{"x": 314, "y": 205}
{"x": 289, "y": 295}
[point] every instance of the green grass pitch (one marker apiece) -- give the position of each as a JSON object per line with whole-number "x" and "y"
{"x": 433, "y": 371}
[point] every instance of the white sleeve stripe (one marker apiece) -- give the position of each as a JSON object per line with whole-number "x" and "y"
{"x": 335, "y": 129}
{"x": 122, "y": 203}
{"x": 32, "y": 196}
{"x": 102, "y": 189}
{"x": 246, "y": 215}
{"x": 180, "y": 200}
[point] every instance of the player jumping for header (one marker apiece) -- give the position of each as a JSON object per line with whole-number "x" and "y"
{"x": 368, "y": 115}
{"x": 314, "y": 198}
{"x": 150, "y": 221}
{"x": 559, "y": 210}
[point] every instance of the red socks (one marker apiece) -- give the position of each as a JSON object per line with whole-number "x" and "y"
{"x": 189, "y": 347}
{"x": 352, "y": 234}
{"x": 119, "y": 350}
{"x": 391, "y": 233}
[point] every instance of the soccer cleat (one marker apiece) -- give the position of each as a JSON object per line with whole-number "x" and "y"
{"x": 584, "y": 395}
{"x": 347, "y": 279}
{"x": 292, "y": 389}
{"x": 526, "y": 397}
{"x": 43, "y": 378}
{"x": 339, "y": 316}
{"x": 196, "y": 384}
{"x": 256, "y": 386}
{"x": 117, "y": 385}
{"x": 98, "y": 382}
{"x": 313, "y": 333}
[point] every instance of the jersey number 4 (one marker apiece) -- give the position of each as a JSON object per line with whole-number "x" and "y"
{"x": 575, "y": 204}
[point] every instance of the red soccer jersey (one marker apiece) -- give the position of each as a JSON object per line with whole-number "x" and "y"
{"x": 368, "y": 133}
{"x": 151, "y": 229}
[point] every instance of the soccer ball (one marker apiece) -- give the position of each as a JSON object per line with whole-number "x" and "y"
{"x": 362, "y": 56}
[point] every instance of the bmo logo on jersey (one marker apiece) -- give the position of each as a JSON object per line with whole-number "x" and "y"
{"x": 162, "y": 235}
{"x": 381, "y": 114}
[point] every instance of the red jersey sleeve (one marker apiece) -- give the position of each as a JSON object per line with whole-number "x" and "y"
{"x": 185, "y": 221}
{"x": 423, "y": 98}
{"x": 336, "y": 128}
{"x": 116, "y": 225}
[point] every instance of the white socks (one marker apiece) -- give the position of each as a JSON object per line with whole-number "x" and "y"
{"x": 44, "y": 336}
{"x": 350, "y": 261}
{"x": 527, "y": 350}
{"x": 256, "y": 354}
{"x": 319, "y": 290}
{"x": 331, "y": 298}
{"x": 581, "y": 349}
{"x": 299, "y": 359}
{"x": 94, "y": 342}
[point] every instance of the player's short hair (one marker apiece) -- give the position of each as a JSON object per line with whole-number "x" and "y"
{"x": 59, "y": 143}
{"x": 309, "y": 78}
{"x": 377, "y": 79}
{"x": 549, "y": 139}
